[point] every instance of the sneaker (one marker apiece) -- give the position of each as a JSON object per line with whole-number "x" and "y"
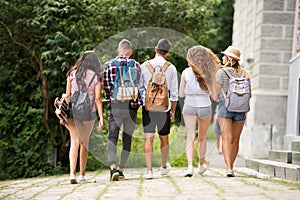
{"x": 148, "y": 175}
{"x": 229, "y": 173}
{"x": 121, "y": 175}
{"x": 189, "y": 172}
{"x": 201, "y": 169}
{"x": 82, "y": 179}
{"x": 165, "y": 171}
{"x": 114, "y": 175}
{"x": 73, "y": 179}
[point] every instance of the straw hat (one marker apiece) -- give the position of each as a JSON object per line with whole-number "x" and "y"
{"x": 232, "y": 52}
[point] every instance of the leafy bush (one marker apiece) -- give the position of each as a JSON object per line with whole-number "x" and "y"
{"x": 41, "y": 39}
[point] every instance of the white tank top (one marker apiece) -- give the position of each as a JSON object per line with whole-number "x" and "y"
{"x": 194, "y": 95}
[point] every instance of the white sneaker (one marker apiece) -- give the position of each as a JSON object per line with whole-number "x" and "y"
{"x": 148, "y": 175}
{"x": 189, "y": 172}
{"x": 201, "y": 169}
{"x": 73, "y": 179}
{"x": 229, "y": 173}
{"x": 81, "y": 179}
{"x": 165, "y": 171}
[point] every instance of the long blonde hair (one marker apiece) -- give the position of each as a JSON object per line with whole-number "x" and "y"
{"x": 204, "y": 64}
{"x": 237, "y": 67}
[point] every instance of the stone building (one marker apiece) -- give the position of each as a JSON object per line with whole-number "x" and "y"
{"x": 267, "y": 31}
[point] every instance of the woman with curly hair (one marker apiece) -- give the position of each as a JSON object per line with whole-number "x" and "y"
{"x": 197, "y": 86}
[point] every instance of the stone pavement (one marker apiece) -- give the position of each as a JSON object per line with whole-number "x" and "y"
{"x": 212, "y": 185}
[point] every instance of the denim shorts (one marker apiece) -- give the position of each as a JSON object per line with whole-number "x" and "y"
{"x": 235, "y": 116}
{"x": 200, "y": 112}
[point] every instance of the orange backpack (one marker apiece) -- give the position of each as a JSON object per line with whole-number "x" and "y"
{"x": 157, "y": 93}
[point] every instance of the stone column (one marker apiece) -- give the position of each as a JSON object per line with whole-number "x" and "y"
{"x": 293, "y": 110}
{"x": 263, "y": 30}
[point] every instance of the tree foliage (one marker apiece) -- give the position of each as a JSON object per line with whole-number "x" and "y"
{"x": 41, "y": 39}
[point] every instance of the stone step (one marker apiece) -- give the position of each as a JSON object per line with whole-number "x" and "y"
{"x": 296, "y": 158}
{"x": 275, "y": 169}
{"x": 296, "y": 146}
{"x": 281, "y": 156}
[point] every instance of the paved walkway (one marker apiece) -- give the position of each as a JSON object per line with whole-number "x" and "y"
{"x": 213, "y": 185}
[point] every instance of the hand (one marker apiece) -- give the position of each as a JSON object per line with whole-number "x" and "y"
{"x": 100, "y": 124}
{"x": 172, "y": 115}
{"x": 62, "y": 122}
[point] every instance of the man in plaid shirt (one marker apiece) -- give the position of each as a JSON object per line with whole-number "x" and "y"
{"x": 120, "y": 112}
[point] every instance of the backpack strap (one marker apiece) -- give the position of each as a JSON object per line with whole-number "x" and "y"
{"x": 122, "y": 81}
{"x": 92, "y": 80}
{"x": 227, "y": 72}
{"x": 88, "y": 84}
{"x": 163, "y": 68}
{"x": 149, "y": 66}
{"x": 229, "y": 76}
{"x": 93, "y": 101}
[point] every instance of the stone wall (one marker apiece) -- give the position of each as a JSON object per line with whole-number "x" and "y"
{"x": 263, "y": 30}
{"x": 298, "y": 29}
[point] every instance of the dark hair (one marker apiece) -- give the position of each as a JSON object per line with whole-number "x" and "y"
{"x": 163, "y": 46}
{"x": 89, "y": 60}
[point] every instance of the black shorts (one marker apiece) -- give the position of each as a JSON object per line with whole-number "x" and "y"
{"x": 161, "y": 120}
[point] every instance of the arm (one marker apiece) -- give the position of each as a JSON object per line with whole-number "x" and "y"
{"x": 141, "y": 87}
{"x": 218, "y": 88}
{"x": 218, "y": 83}
{"x": 68, "y": 91}
{"x": 106, "y": 81}
{"x": 215, "y": 91}
{"x": 173, "y": 87}
{"x": 98, "y": 102}
{"x": 173, "y": 109}
{"x": 182, "y": 86}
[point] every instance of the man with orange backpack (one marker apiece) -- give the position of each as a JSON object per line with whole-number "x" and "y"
{"x": 158, "y": 87}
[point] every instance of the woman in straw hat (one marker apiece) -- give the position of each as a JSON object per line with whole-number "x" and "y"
{"x": 197, "y": 83}
{"x": 231, "y": 123}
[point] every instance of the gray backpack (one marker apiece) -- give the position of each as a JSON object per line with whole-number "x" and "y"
{"x": 237, "y": 98}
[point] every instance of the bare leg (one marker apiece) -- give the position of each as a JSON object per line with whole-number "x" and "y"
{"x": 148, "y": 150}
{"x": 231, "y": 132}
{"x": 164, "y": 148}
{"x": 190, "y": 125}
{"x": 237, "y": 128}
{"x": 85, "y": 130}
{"x": 75, "y": 142}
{"x": 225, "y": 126}
{"x": 83, "y": 158}
{"x": 203, "y": 125}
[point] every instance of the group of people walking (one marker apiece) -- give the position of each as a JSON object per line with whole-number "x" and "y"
{"x": 200, "y": 82}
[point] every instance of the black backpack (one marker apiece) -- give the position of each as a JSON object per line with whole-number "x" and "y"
{"x": 81, "y": 108}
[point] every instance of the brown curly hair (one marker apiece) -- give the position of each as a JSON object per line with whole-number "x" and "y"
{"x": 204, "y": 64}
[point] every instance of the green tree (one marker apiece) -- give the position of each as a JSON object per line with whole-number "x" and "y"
{"x": 41, "y": 39}
{"x": 224, "y": 18}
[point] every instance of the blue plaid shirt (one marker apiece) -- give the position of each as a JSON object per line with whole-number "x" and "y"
{"x": 110, "y": 73}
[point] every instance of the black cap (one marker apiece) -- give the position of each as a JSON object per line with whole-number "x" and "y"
{"x": 164, "y": 45}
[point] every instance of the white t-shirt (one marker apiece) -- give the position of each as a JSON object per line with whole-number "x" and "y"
{"x": 190, "y": 89}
